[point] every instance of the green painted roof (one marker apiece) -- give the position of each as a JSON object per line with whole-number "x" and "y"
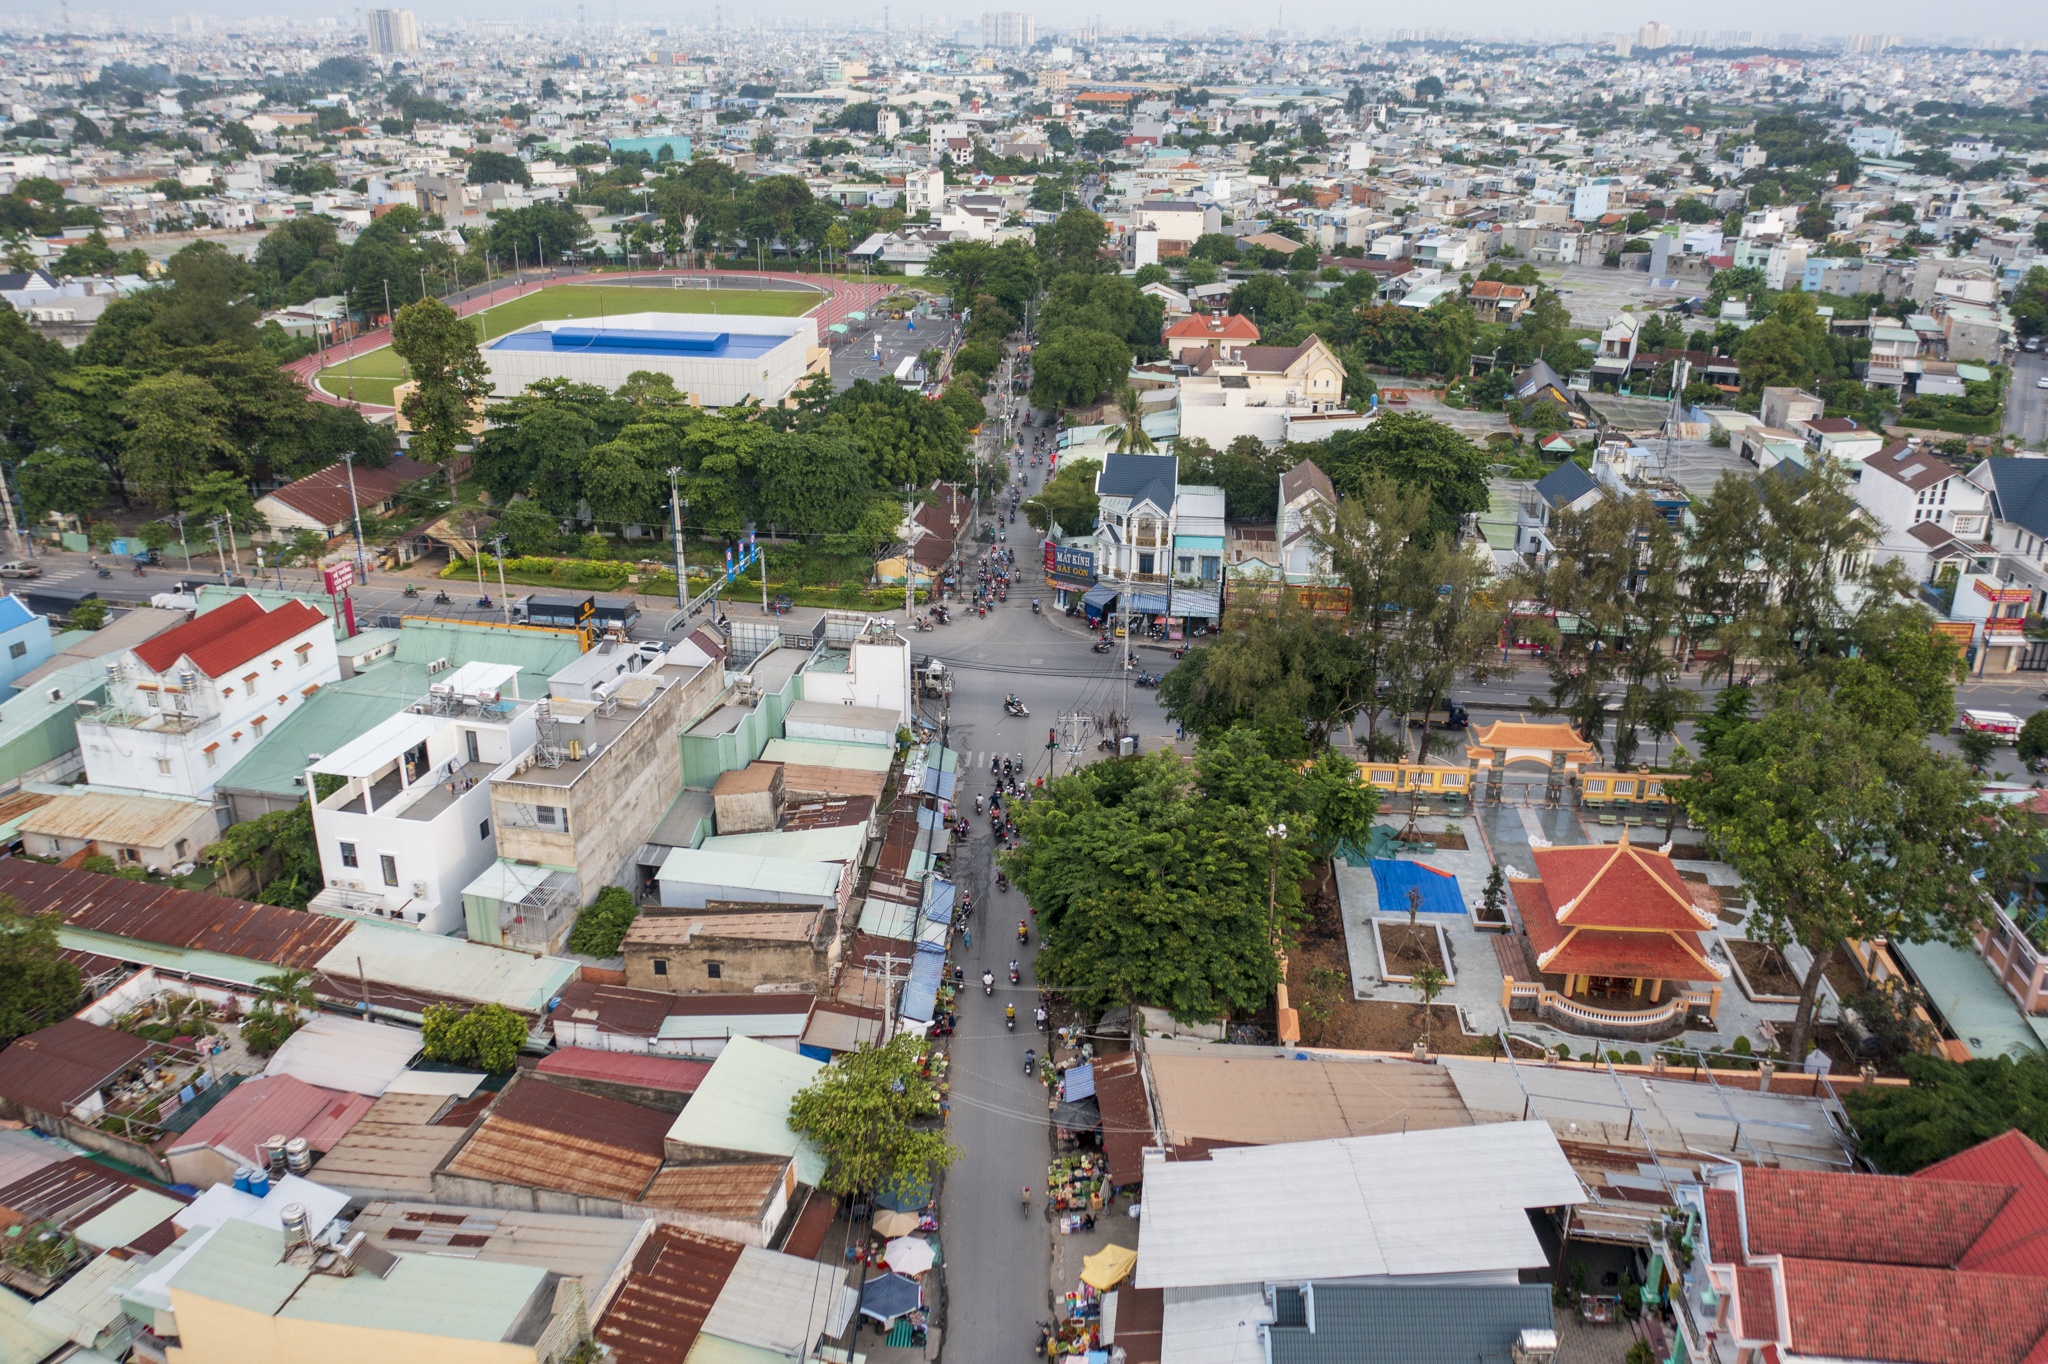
{"x": 346, "y": 710}
{"x": 127, "y": 1219}
{"x": 1967, "y": 995}
{"x": 743, "y": 1105}
{"x": 23, "y": 1341}
{"x": 424, "y": 1294}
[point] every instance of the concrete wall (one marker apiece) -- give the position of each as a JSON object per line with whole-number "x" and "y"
{"x": 743, "y": 965}
{"x": 489, "y": 1193}
{"x": 214, "y": 1332}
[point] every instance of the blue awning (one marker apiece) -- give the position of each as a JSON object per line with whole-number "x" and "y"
{"x": 1199, "y": 603}
{"x": 1148, "y": 602}
{"x": 1080, "y": 1082}
{"x": 938, "y": 782}
{"x": 1099, "y": 596}
{"x": 1395, "y": 879}
{"x": 938, "y": 900}
{"x": 921, "y": 991}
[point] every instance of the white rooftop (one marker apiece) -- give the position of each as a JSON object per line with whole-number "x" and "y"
{"x": 1446, "y": 1202}
{"x": 346, "y": 1053}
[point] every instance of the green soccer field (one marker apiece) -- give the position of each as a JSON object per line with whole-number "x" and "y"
{"x": 379, "y": 371}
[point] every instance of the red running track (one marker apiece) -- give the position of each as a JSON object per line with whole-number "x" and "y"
{"x": 842, "y": 296}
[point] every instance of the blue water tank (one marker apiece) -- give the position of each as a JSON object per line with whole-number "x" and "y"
{"x": 259, "y": 1183}
{"x": 242, "y": 1179}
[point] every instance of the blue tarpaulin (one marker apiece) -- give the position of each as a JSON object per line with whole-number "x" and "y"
{"x": 938, "y": 782}
{"x": 1080, "y": 1083}
{"x": 1148, "y": 602}
{"x": 1439, "y": 889}
{"x": 921, "y": 991}
{"x": 889, "y": 1297}
{"x": 1098, "y": 598}
{"x": 938, "y": 900}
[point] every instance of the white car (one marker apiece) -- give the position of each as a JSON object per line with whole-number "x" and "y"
{"x": 2041, "y": 382}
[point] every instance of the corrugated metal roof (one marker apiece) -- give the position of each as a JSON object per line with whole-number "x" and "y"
{"x": 346, "y": 1054}
{"x": 24, "y": 1152}
{"x": 89, "y": 1302}
{"x": 1261, "y": 1100}
{"x": 447, "y": 968}
{"x": 135, "y": 821}
{"x": 741, "y": 1191}
{"x": 920, "y": 991}
{"x": 128, "y": 1220}
{"x": 821, "y": 753}
{"x": 750, "y": 871}
{"x": 834, "y": 843}
{"x": 273, "y": 1105}
{"x": 749, "y": 1023}
{"x": 676, "y": 1278}
{"x": 23, "y": 1340}
{"x": 69, "y": 1193}
{"x": 542, "y": 1135}
{"x": 394, "y": 1149}
{"x": 743, "y": 1105}
{"x": 839, "y": 1027}
{"x": 172, "y": 918}
{"x": 625, "y": 1067}
{"x": 589, "y": 1248}
{"x": 778, "y": 1302}
{"x": 56, "y": 1068}
{"x": 1441, "y": 1202}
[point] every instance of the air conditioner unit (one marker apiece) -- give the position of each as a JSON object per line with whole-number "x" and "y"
{"x": 419, "y": 890}
{"x": 355, "y": 885}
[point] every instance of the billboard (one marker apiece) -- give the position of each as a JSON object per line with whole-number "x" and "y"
{"x": 1069, "y": 567}
{"x": 339, "y": 578}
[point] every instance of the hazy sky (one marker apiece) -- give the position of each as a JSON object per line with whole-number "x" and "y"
{"x": 1967, "y": 19}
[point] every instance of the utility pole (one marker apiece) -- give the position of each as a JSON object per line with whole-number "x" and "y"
{"x": 179, "y": 517}
{"x": 675, "y": 511}
{"x": 761, "y": 558}
{"x": 13, "y": 531}
{"x": 504, "y": 599}
{"x": 909, "y": 564}
{"x": 888, "y": 964}
{"x": 355, "y": 507}
{"x": 234, "y": 551}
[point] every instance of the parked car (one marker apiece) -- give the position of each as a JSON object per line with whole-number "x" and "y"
{"x": 20, "y": 568}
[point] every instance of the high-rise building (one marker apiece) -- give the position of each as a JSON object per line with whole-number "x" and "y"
{"x": 1009, "y": 29}
{"x": 393, "y": 32}
{"x": 1653, "y": 35}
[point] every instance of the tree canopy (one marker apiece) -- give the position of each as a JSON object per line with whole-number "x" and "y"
{"x": 1948, "y": 1107}
{"x": 870, "y": 1114}
{"x": 1150, "y": 874}
{"x": 38, "y": 986}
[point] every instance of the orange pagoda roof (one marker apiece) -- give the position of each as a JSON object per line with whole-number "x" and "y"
{"x": 1613, "y": 910}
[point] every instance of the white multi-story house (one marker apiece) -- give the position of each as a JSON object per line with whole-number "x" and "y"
{"x": 2018, "y": 485}
{"x": 183, "y": 708}
{"x": 1134, "y": 527}
{"x": 402, "y": 815}
{"x": 1306, "y": 496}
{"x": 1927, "y": 512}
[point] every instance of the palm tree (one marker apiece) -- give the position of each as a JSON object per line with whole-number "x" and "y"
{"x": 1130, "y": 436}
{"x": 287, "y": 992}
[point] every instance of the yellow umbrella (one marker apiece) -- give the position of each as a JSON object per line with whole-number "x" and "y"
{"x": 894, "y": 1224}
{"x": 1108, "y": 1267}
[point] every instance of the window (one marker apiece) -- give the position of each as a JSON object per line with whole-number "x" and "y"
{"x": 483, "y": 829}
{"x": 1145, "y": 563}
{"x": 17, "y": 649}
{"x": 258, "y": 723}
{"x": 184, "y": 846}
{"x": 348, "y": 855}
{"x": 155, "y": 702}
{"x": 163, "y": 767}
{"x": 551, "y": 817}
{"x": 305, "y": 652}
{"x": 661, "y": 966}
{"x": 213, "y": 755}
{"x": 249, "y": 684}
{"x": 714, "y": 970}
{"x": 389, "y": 865}
{"x": 1184, "y": 564}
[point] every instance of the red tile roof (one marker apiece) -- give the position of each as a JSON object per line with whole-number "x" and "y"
{"x": 1567, "y": 950}
{"x": 227, "y": 637}
{"x": 2016, "y": 1242}
{"x": 1756, "y": 1304}
{"x": 1870, "y": 1219}
{"x": 1927, "y": 1316}
{"x": 1618, "y": 886}
{"x": 1212, "y": 326}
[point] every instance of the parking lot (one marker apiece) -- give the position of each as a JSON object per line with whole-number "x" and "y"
{"x": 853, "y": 357}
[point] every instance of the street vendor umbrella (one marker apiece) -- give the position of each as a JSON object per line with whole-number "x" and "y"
{"x": 895, "y": 1223}
{"x": 889, "y": 1297}
{"x": 910, "y": 1255}
{"x": 1108, "y": 1267}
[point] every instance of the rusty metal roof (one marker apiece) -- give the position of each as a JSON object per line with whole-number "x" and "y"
{"x": 173, "y": 918}
{"x": 70, "y": 1193}
{"x": 56, "y": 1068}
{"x": 740, "y": 1191}
{"x": 542, "y": 1135}
{"x": 677, "y": 1276}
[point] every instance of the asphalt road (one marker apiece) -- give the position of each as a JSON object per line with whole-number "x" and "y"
{"x": 2026, "y": 410}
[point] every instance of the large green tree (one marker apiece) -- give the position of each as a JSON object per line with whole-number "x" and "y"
{"x": 1150, "y": 874}
{"x": 181, "y": 433}
{"x": 1289, "y": 674}
{"x": 1843, "y": 824}
{"x": 38, "y": 986}
{"x": 872, "y": 1115}
{"x": 1413, "y": 450}
{"x": 1067, "y": 499}
{"x": 450, "y": 380}
{"x": 1949, "y": 1107}
{"x": 1076, "y": 367}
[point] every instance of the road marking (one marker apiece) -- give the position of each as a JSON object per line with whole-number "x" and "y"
{"x": 1035, "y": 662}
